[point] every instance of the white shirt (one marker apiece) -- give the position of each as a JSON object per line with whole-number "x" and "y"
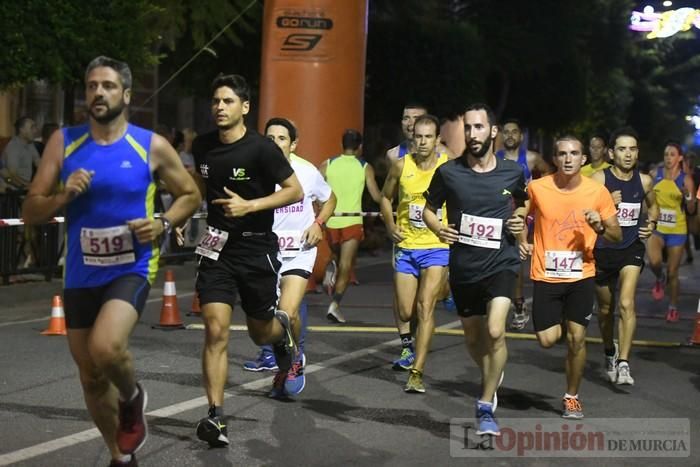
{"x": 299, "y": 216}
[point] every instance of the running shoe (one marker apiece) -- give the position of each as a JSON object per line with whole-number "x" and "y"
{"x": 265, "y": 361}
{"x": 405, "y": 361}
{"x": 449, "y": 304}
{"x": 672, "y": 315}
{"x": 213, "y": 431}
{"x": 278, "y": 385}
{"x": 130, "y": 463}
{"x": 415, "y": 382}
{"x": 572, "y": 408}
{"x": 333, "y": 314}
{"x": 329, "y": 277}
{"x": 133, "y": 429}
{"x": 610, "y": 368}
{"x": 487, "y": 423}
{"x": 286, "y": 349}
{"x": 296, "y": 380}
{"x": 657, "y": 293}
{"x": 521, "y": 315}
{"x": 623, "y": 374}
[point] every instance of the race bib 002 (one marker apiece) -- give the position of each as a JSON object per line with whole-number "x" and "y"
{"x": 108, "y": 246}
{"x": 289, "y": 242}
{"x": 563, "y": 264}
{"x": 484, "y": 232}
{"x": 211, "y": 243}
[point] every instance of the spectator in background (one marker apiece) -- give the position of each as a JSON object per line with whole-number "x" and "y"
{"x": 186, "y": 156}
{"x": 47, "y": 130}
{"x": 20, "y": 155}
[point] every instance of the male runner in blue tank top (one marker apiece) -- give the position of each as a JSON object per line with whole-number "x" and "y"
{"x": 624, "y": 260}
{"x": 106, "y": 171}
{"x": 531, "y": 162}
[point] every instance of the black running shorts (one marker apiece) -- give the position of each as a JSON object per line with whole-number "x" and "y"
{"x": 82, "y": 305}
{"x": 609, "y": 261}
{"x": 472, "y": 298}
{"x": 253, "y": 277}
{"x": 553, "y": 303}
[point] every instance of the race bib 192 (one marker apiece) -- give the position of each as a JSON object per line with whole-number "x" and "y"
{"x": 484, "y": 232}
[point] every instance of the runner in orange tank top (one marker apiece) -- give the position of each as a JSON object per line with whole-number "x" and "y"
{"x": 571, "y": 211}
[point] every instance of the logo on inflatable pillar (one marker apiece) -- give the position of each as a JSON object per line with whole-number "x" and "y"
{"x": 303, "y": 34}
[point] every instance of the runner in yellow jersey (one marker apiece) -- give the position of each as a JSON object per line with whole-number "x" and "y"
{"x": 598, "y": 149}
{"x": 675, "y": 192}
{"x": 420, "y": 258}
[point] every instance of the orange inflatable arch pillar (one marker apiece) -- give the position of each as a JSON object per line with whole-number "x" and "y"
{"x": 313, "y": 70}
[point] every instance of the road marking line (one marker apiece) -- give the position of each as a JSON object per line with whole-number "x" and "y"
{"x": 89, "y": 435}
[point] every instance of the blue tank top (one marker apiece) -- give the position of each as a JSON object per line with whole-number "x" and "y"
{"x": 629, "y": 211}
{"x": 680, "y": 179}
{"x": 404, "y": 149}
{"x": 99, "y": 246}
{"x": 522, "y": 161}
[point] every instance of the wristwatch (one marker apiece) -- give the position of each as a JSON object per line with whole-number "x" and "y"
{"x": 602, "y": 229}
{"x": 167, "y": 226}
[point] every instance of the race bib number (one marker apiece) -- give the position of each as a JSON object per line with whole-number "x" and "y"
{"x": 484, "y": 232}
{"x": 211, "y": 243}
{"x": 563, "y": 264}
{"x": 289, "y": 242}
{"x": 415, "y": 216}
{"x": 668, "y": 217}
{"x": 107, "y": 247}
{"x": 628, "y": 214}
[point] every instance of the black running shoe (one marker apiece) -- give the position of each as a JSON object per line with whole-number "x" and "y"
{"x": 213, "y": 431}
{"x": 286, "y": 349}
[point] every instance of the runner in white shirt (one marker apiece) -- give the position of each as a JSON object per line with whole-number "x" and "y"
{"x": 298, "y": 230}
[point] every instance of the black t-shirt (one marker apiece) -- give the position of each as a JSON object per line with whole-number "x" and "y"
{"x": 250, "y": 167}
{"x": 487, "y": 195}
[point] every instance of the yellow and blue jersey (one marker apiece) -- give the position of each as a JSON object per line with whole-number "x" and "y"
{"x": 99, "y": 246}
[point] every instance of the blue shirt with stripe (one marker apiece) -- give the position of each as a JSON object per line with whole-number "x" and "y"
{"x": 122, "y": 189}
{"x": 522, "y": 161}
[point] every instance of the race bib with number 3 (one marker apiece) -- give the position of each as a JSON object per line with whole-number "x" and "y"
{"x": 628, "y": 214}
{"x": 563, "y": 264}
{"x": 211, "y": 243}
{"x": 107, "y": 247}
{"x": 415, "y": 216}
{"x": 484, "y": 232}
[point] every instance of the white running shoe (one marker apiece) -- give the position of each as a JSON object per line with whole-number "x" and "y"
{"x": 623, "y": 374}
{"x": 333, "y": 314}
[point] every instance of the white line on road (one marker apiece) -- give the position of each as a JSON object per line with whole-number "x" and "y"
{"x": 88, "y": 435}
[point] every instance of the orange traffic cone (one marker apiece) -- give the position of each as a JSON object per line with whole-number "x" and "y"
{"x": 169, "y": 312}
{"x": 57, "y": 323}
{"x": 695, "y": 339}
{"x": 195, "y": 310}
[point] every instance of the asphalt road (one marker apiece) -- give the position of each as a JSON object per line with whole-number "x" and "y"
{"x": 354, "y": 410}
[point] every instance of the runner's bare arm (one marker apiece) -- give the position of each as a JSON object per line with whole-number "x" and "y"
{"x": 235, "y": 206}
{"x": 690, "y": 200}
{"x": 371, "y": 184}
{"x": 537, "y": 162}
{"x": 389, "y": 191}
{"x": 652, "y": 207}
{"x": 446, "y": 233}
{"x": 45, "y": 198}
{"x": 314, "y": 233}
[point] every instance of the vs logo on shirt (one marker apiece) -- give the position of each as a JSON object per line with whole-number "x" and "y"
{"x": 239, "y": 175}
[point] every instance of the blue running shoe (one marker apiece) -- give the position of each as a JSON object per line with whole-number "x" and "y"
{"x": 449, "y": 304}
{"x": 487, "y": 423}
{"x": 296, "y": 381}
{"x": 265, "y": 361}
{"x": 405, "y": 361}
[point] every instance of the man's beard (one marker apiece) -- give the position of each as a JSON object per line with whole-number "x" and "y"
{"x": 111, "y": 114}
{"x": 515, "y": 145}
{"x": 485, "y": 147}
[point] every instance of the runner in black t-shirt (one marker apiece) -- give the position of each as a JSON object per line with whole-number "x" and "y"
{"x": 480, "y": 191}
{"x": 237, "y": 170}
